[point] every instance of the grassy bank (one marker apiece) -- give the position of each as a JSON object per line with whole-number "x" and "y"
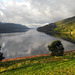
{"x": 44, "y": 65}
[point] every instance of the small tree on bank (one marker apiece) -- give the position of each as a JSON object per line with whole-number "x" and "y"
{"x": 1, "y": 56}
{"x": 56, "y": 48}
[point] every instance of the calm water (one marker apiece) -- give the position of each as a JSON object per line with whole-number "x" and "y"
{"x": 29, "y": 43}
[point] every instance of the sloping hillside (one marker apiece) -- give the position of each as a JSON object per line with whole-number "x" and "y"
{"x": 47, "y": 28}
{"x": 11, "y": 27}
{"x": 64, "y": 26}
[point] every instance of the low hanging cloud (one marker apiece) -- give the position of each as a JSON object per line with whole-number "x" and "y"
{"x": 35, "y": 12}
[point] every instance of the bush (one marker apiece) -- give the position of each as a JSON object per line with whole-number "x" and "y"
{"x": 56, "y": 48}
{"x": 1, "y": 56}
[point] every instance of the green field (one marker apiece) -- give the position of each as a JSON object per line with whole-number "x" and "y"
{"x": 44, "y": 65}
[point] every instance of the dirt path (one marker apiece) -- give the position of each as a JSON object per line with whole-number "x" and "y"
{"x": 32, "y": 56}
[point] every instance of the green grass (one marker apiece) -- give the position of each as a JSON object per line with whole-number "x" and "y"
{"x": 45, "y": 65}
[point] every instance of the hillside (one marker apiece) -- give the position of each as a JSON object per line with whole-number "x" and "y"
{"x": 64, "y": 26}
{"x": 11, "y": 27}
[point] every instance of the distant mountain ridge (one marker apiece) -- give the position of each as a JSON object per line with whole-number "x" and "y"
{"x": 11, "y": 27}
{"x": 64, "y": 26}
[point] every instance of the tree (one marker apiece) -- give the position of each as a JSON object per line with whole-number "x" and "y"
{"x": 1, "y": 56}
{"x": 56, "y": 48}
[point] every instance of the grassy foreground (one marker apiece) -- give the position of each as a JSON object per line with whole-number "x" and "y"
{"x": 45, "y": 65}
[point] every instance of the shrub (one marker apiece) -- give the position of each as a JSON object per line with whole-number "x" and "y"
{"x": 1, "y": 56}
{"x": 56, "y": 48}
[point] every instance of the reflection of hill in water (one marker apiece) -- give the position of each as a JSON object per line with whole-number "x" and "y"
{"x": 68, "y": 37}
{"x": 13, "y": 33}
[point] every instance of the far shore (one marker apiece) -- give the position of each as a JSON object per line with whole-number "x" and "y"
{"x": 28, "y": 57}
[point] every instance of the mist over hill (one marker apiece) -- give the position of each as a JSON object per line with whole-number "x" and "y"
{"x": 11, "y": 27}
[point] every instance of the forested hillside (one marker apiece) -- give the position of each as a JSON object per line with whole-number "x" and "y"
{"x": 64, "y": 26}
{"x": 11, "y": 27}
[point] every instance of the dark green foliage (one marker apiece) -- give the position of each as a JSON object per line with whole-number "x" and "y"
{"x": 47, "y": 28}
{"x": 56, "y": 48}
{"x": 1, "y": 56}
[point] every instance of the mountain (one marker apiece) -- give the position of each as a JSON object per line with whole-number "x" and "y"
{"x": 11, "y": 27}
{"x": 64, "y": 26}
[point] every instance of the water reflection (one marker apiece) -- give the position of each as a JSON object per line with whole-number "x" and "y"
{"x": 28, "y": 43}
{"x": 68, "y": 37}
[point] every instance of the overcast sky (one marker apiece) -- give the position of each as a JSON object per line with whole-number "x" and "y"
{"x": 34, "y": 13}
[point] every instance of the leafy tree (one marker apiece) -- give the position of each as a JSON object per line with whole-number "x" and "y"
{"x": 56, "y": 48}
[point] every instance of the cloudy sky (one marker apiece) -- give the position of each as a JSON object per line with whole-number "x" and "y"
{"x": 34, "y": 13}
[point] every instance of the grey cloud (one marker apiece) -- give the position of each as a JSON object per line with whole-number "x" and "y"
{"x": 33, "y": 12}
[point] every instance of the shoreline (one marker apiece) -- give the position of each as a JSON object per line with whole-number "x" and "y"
{"x": 28, "y": 57}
